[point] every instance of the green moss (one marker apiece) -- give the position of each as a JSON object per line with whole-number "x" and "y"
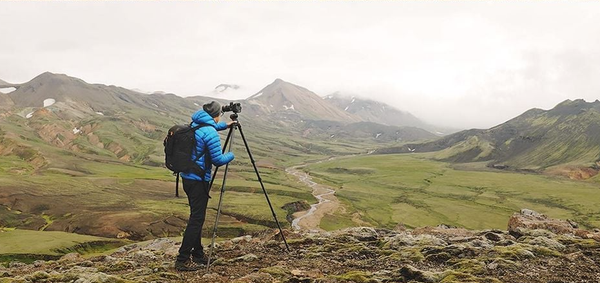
{"x": 356, "y": 276}
{"x": 544, "y": 251}
{"x": 459, "y": 277}
{"x": 276, "y": 271}
{"x": 470, "y": 266}
{"x": 514, "y": 252}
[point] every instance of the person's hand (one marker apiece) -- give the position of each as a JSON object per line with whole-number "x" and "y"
{"x": 231, "y": 123}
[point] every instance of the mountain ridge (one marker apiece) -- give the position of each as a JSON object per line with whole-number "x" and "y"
{"x": 538, "y": 139}
{"x": 283, "y": 97}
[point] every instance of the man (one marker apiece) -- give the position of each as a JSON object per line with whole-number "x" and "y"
{"x": 208, "y": 146}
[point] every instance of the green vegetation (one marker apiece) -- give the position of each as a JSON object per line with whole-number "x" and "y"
{"x": 416, "y": 191}
{"x": 27, "y": 245}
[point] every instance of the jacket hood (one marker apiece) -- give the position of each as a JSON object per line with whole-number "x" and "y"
{"x": 201, "y": 117}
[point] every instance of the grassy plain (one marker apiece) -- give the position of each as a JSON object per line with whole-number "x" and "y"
{"x": 411, "y": 189}
{"x": 28, "y": 245}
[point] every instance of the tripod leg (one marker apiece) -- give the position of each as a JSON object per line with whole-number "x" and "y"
{"x": 263, "y": 186}
{"x": 214, "y": 235}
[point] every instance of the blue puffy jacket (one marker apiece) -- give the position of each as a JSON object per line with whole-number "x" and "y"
{"x": 208, "y": 136}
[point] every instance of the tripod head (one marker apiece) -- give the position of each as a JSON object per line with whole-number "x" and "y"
{"x": 234, "y": 117}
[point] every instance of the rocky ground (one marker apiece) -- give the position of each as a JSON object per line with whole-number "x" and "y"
{"x": 534, "y": 249}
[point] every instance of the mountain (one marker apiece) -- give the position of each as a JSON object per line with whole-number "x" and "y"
{"x": 99, "y": 148}
{"x": 373, "y": 111}
{"x": 368, "y": 130}
{"x": 567, "y": 135}
{"x": 284, "y": 99}
{"x": 381, "y": 113}
{"x": 76, "y": 98}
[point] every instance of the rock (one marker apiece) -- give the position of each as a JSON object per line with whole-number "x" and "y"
{"x": 519, "y": 223}
{"x": 299, "y": 280}
{"x": 587, "y": 234}
{"x": 39, "y": 263}
{"x": 362, "y": 233}
{"x": 529, "y": 212}
{"x": 16, "y": 264}
{"x": 211, "y": 277}
{"x": 128, "y": 248}
{"x": 493, "y": 237}
{"x": 410, "y": 273}
{"x": 573, "y": 223}
{"x": 255, "y": 278}
{"x": 163, "y": 244}
{"x": 243, "y": 239}
{"x": 98, "y": 278}
{"x": 37, "y": 276}
{"x": 144, "y": 255}
{"x": 245, "y": 258}
{"x": 548, "y": 243}
{"x": 404, "y": 239}
{"x": 71, "y": 257}
{"x": 86, "y": 263}
{"x": 276, "y": 271}
{"x": 400, "y": 240}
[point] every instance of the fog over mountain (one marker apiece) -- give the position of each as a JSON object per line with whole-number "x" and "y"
{"x": 458, "y": 64}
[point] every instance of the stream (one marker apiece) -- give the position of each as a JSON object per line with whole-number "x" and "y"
{"x": 319, "y": 192}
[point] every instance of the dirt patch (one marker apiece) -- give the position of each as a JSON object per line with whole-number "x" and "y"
{"x": 573, "y": 172}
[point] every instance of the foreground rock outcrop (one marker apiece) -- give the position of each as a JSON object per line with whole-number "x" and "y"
{"x": 537, "y": 253}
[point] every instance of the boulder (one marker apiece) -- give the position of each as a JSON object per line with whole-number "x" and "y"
{"x": 527, "y": 219}
{"x": 362, "y": 233}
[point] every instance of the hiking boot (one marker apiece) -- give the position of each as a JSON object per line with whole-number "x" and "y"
{"x": 200, "y": 260}
{"x": 186, "y": 266}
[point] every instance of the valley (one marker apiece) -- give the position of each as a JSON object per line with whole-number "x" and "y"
{"x": 91, "y": 163}
{"x": 413, "y": 190}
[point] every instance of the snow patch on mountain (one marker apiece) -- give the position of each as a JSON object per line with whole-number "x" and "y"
{"x": 100, "y": 113}
{"x": 7, "y": 90}
{"x": 76, "y": 131}
{"x": 49, "y": 102}
{"x": 29, "y": 115}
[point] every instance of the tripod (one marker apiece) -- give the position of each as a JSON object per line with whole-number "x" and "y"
{"x": 229, "y": 141}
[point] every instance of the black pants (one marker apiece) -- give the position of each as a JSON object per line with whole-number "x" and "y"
{"x": 197, "y": 193}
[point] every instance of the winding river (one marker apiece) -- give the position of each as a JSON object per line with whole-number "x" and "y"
{"x": 328, "y": 203}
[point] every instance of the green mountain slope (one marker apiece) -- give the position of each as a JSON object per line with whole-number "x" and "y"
{"x": 87, "y": 158}
{"x": 567, "y": 135}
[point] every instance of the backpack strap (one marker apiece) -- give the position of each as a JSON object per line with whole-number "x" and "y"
{"x": 177, "y": 185}
{"x": 201, "y": 171}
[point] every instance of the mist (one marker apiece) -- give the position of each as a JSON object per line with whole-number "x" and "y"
{"x": 454, "y": 64}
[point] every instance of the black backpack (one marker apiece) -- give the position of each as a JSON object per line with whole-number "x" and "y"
{"x": 179, "y": 144}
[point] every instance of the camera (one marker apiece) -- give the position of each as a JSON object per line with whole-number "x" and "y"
{"x": 236, "y": 107}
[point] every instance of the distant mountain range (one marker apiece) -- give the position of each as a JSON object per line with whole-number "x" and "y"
{"x": 108, "y": 120}
{"x": 567, "y": 135}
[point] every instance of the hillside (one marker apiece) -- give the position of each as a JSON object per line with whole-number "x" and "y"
{"x": 373, "y": 111}
{"x": 567, "y": 135}
{"x": 534, "y": 249}
{"x": 99, "y": 148}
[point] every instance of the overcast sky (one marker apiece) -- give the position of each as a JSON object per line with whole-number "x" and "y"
{"x": 463, "y": 64}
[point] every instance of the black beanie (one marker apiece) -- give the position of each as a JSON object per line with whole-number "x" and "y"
{"x": 213, "y": 108}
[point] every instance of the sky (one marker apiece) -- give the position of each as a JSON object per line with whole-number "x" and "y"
{"x": 461, "y": 64}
